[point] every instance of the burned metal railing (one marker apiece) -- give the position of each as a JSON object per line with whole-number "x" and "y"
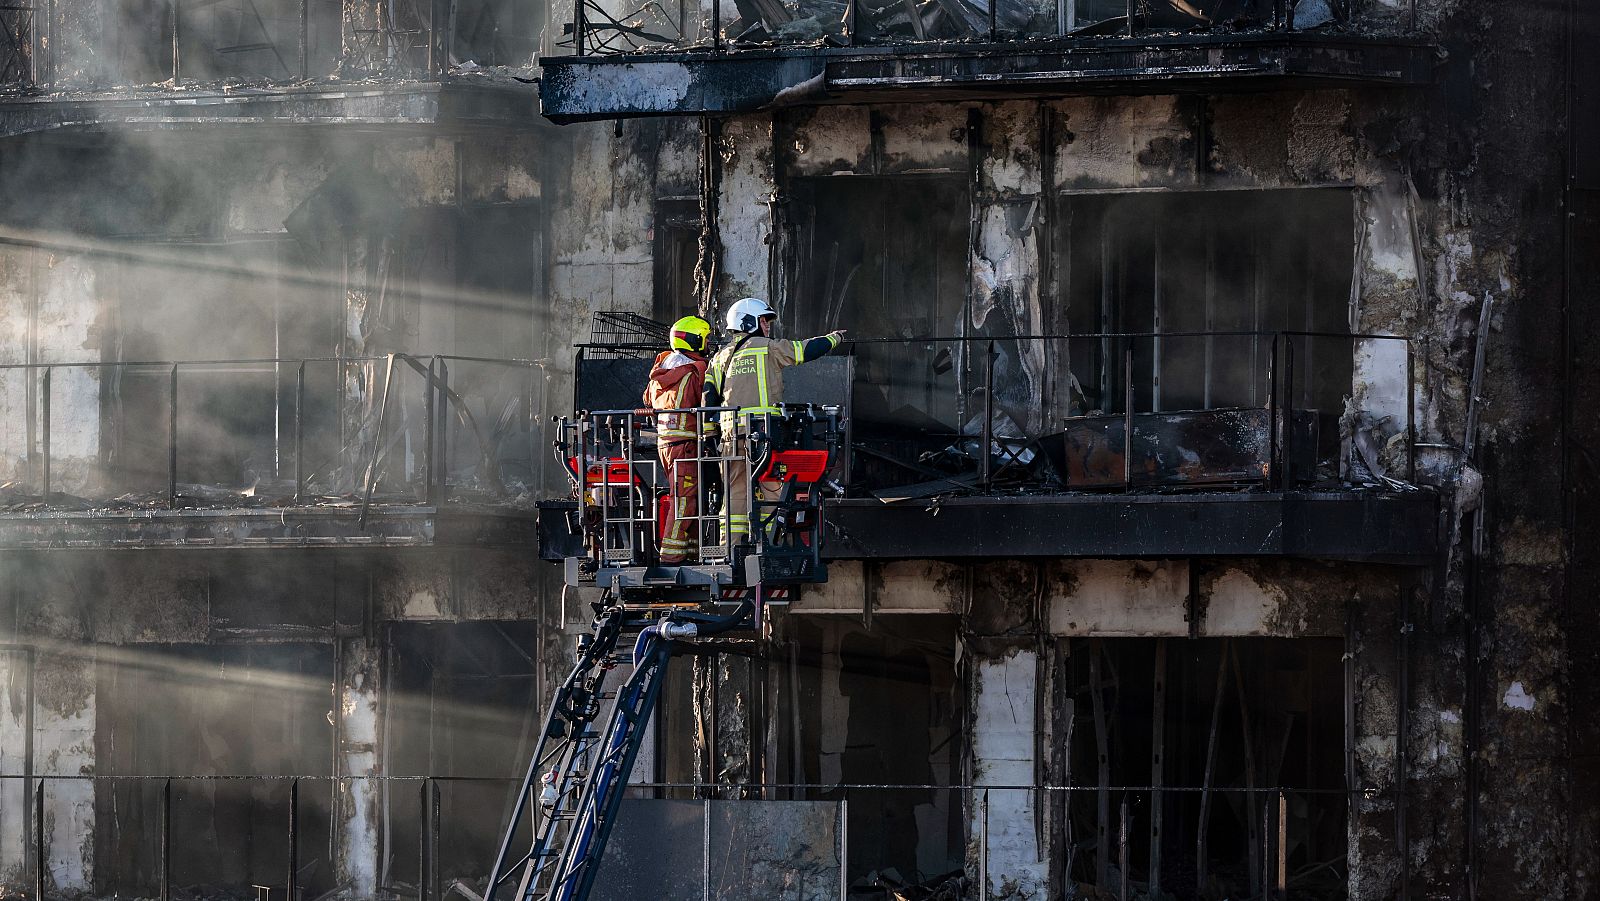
{"x": 276, "y": 840}
{"x": 36, "y": 46}
{"x": 630, "y": 473}
{"x": 1271, "y": 385}
{"x": 614, "y": 460}
{"x": 599, "y": 28}
{"x": 1271, "y": 844}
{"x": 354, "y": 443}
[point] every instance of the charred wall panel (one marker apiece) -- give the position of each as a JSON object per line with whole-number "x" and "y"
{"x": 879, "y": 707}
{"x": 1225, "y": 716}
{"x": 259, "y": 709}
{"x": 462, "y": 704}
{"x": 1187, "y": 262}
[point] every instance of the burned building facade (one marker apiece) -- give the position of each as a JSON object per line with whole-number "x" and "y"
{"x": 1215, "y": 490}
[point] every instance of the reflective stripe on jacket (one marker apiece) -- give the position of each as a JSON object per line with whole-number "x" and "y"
{"x": 675, "y": 383}
{"x": 748, "y": 374}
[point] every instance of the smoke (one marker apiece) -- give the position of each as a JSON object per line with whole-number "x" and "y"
{"x": 170, "y": 248}
{"x": 99, "y": 46}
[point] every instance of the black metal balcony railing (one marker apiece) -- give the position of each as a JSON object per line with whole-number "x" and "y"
{"x": 260, "y": 41}
{"x": 599, "y": 27}
{"x": 276, "y": 431}
{"x": 277, "y": 837}
{"x": 1138, "y": 410}
{"x": 1125, "y": 411}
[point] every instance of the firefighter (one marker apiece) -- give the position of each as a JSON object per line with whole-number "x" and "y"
{"x": 748, "y": 374}
{"x": 676, "y": 383}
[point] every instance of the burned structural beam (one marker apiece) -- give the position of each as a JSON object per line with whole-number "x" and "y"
{"x": 308, "y": 527}
{"x": 1375, "y": 527}
{"x": 402, "y": 103}
{"x": 1359, "y": 526}
{"x": 582, "y": 88}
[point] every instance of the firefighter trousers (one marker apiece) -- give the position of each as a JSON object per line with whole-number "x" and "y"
{"x": 680, "y": 530}
{"x": 736, "y": 486}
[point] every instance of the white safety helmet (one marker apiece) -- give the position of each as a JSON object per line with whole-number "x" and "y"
{"x": 746, "y": 314}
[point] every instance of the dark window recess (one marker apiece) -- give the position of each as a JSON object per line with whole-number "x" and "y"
{"x": 887, "y": 258}
{"x": 212, "y": 710}
{"x": 234, "y": 420}
{"x": 677, "y": 246}
{"x": 1144, "y": 713}
{"x": 1236, "y": 261}
{"x": 852, "y": 707}
{"x": 239, "y": 39}
{"x": 879, "y": 707}
{"x": 463, "y": 703}
{"x": 1265, "y": 261}
{"x": 498, "y": 270}
{"x": 431, "y": 282}
{"x": 496, "y": 32}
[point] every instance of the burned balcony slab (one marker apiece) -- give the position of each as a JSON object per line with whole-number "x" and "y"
{"x": 387, "y": 525}
{"x": 462, "y": 104}
{"x": 1392, "y": 527}
{"x": 1380, "y": 527}
{"x": 578, "y": 88}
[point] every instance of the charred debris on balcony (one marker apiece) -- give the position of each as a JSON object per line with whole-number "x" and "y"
{"x": 839, "y": 23}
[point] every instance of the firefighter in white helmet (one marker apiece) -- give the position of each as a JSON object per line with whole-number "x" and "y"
{"x": 748, "y": 374}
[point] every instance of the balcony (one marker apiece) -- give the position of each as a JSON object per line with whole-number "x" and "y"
{"x": 255, "y": 61}
{"x": 1243, "y": 443}
{"x": 666, "y": 58}
{"x": 358, "y": 452}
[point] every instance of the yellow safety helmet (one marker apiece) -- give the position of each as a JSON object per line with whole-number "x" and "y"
{"x": 690, "y": 333}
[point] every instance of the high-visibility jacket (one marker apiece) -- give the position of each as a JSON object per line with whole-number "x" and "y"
{"x": 676, "y": 382}
{"x": 748, "y": 373}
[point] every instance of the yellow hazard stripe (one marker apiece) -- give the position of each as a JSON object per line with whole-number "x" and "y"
{"x": 761, "y": 378}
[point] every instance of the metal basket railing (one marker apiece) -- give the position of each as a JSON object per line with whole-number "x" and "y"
{"x": 615, "y": 335}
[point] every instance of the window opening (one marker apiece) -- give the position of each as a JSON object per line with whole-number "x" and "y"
{"x": 1152, "y": 708}
{"x": 677, "y": 246}
{"x": 887, "y": 258}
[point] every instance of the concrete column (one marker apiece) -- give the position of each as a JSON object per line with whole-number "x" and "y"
{"x": 64, "y": 725}
{"x": 358, "y": 808}
{"x": 1374, "y": 865}
{"x": 1004, "y": 702}
{"x": 51, "y": 312}
{"x": 1005, "y": 260}
{"x": 745, "y": 214}
{"x": 1004, "y": 837}
{"x": 15, "y": 699}
{"x": 1384, "y": 300}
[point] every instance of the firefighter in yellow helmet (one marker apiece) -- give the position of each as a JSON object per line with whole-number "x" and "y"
{"x": 677, "y": 382}
{"x": 748, "y": 374}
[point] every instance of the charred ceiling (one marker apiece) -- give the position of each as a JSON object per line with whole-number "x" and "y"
{"x": 661, "y": 82}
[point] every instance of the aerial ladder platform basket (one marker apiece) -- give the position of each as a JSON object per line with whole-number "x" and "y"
{"x": 647, "y": 611}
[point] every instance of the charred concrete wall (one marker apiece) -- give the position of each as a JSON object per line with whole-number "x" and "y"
{"x": 91, "y": 45}
{"x": 1456, "y": 667}
{"x": 109, "y": 656}
{"x": 1465, "y": 685}
{"x": 310, "y": 245}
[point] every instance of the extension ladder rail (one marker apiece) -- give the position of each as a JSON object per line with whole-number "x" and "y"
{"x": 565, "y": 751}
{"x": 587, "y": 776}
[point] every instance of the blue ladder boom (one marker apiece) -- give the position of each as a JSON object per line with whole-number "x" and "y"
{"x": 579, "y": 775}
{"x": 575, "y": 783}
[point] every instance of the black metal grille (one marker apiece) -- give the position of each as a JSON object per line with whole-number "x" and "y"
{"x": 16, "y": 44}
{"x": 614, "y": 336}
